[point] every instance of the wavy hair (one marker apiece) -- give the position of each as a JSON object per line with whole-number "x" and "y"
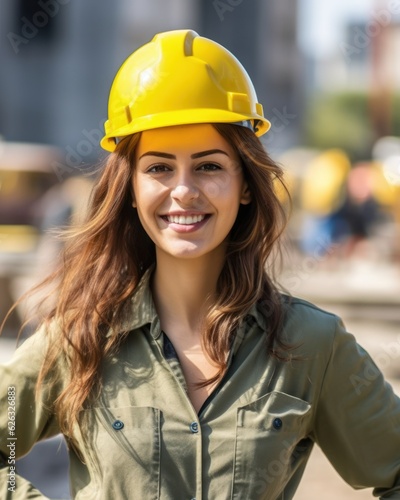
{"x": 105, "y": 258}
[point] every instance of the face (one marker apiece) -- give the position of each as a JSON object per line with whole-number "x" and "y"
{"x": 188, "y": 185}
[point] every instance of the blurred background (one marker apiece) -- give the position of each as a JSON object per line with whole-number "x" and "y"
{"x": 328, "y": 76}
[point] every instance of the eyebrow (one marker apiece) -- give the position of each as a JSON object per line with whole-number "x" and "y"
{"x": 193, "y": 156}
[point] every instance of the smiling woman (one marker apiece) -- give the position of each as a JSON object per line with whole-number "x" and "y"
{"x": 171, "y": 362}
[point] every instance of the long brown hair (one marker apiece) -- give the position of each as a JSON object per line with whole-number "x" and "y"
{"x": 105, "y": 258}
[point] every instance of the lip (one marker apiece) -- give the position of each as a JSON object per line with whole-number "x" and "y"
{"x": 184, "y": 213}
{"x": 185, "y": 228}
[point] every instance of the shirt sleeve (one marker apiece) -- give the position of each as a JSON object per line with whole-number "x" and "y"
{"x": 24, "y": 420}
{"x": 357, "y": 420}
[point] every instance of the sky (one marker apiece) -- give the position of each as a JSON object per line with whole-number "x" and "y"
{"x": 321, "y": 22}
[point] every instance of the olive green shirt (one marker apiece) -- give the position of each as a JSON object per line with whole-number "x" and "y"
{"x": 250, "y": 440}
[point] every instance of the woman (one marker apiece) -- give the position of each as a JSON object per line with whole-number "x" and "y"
{"x": 171, "y": 363}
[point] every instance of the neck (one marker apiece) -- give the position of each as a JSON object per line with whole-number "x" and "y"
{"x": 182, "y": 289}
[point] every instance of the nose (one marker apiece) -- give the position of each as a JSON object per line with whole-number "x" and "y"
{"x": 185, "y": 190}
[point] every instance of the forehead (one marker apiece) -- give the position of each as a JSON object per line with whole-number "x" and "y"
{"x": 181, "y": 139}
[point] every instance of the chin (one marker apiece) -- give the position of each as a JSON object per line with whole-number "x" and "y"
{"x": 185, "y": 252}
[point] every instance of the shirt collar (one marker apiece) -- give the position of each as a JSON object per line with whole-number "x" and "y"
{"x": 140, "y": 310}
{"x": 253, "y": 316}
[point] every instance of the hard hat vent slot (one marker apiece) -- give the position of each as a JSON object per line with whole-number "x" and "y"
{"x": 188, "y": 43}
{"x": 128, "y": 114}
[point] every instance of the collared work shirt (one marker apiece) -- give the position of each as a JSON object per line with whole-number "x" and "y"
{"x": 253, "y": 435}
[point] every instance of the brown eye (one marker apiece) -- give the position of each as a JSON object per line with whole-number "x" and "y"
{"x": 209, "y": 167}
{"x": 154, "y": 169}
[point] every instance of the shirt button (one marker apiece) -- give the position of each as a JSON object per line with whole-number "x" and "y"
{"x": 194, "y": 427}
{"x": 118, "y": 425}
{"x": 277, "y": 423}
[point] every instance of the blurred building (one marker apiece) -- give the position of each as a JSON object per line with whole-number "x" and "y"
{"x": 366, "y": 56}
{"x": 57, "y": 54}
{"x": 59, "y": 58}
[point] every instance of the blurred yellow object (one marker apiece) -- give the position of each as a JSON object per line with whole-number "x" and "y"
{"x": 9, "y": 181}
{"x": 383, "y": 191}
{"x": 18, "y": 238}
{"x": 180, "y": 78}
{"x": 325, "y": 177}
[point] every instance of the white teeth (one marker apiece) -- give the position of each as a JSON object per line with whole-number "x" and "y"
{"x": 181, "y": 219}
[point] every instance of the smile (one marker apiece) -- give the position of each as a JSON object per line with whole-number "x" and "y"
{"x": 184, "y": 220}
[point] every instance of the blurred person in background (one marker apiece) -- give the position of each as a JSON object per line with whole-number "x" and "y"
{"x": 170, "y": 361}
{"x": 345, "y": 210}
{"x": 358, "y": 215}
{"x": 322, "y": 193}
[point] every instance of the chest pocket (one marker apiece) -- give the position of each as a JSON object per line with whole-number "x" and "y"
{"x": 267, "y": 434}
{"x": 125, "y": 445}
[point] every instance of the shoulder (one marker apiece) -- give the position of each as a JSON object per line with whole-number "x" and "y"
{"x": 31, "y": 352}
{"x": 296, "y": 308}
{"x": 308, "y": 326}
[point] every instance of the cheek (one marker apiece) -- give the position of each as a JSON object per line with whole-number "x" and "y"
{"x": 147, "y": 192}
{"x": 223, "y": 186}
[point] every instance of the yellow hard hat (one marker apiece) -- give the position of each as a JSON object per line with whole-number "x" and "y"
{"x": 325, "y": 177}
{"x": 180, "y": 78}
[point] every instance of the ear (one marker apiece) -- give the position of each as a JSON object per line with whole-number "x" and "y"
{"x": 134, "y": 204}
{"x": 246, "y": 195}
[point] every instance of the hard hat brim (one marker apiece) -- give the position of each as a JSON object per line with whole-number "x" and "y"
{"x": 182, "y": 117}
